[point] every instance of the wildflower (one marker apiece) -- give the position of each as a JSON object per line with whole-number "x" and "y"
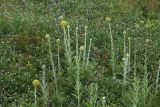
{"x": 103, "y": 101}
{"x": 63, "y": 23}
{"x": 108, "y": 19}
{"x": 35, "y": 83}
{"x": 58, "y": 41}
{"x": 147, "y": 40}
{"x": 82, "y": 48}
{"x": 68, "y": 26}
{"x": 47, "y": 36}
{"x": 124, "y": 32}
{"x": 141, "y": 21}
{"x": 129, "y": 38}
{"x": 43, "y": 66}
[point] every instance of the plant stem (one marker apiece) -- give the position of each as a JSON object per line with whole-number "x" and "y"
{"x": 35, "y": 96}
{"x": 124, "y": 43}
{"x": 77, "y": 45}
{"x": 53, "y": 68}
{"x": 112, "y": 49}
{"x": 129, "y": 57}
{"x": 85, "y": 40}
{"x": 59, "y": 65}
{"x": 89, "y": 50}
{"x": 68, "y": 40}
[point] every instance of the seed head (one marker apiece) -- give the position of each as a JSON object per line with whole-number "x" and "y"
{"x": 63, "y": 23}
{"x": 129, "y": 38}
{"x": 58, "y": 41}
{"x": 82, "y": 48}
{"x": 47, "y": 36}
{"x": 43, "y": 66}
{"x": 141, "y": 21}
{"x": 108, "y": 19}
{"x": 124, "y": 32}
{"x": 35, "y": 83}
{"x": 147, "y": 40}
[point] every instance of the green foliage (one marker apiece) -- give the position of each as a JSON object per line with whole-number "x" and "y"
{"x": 88, "y": 66}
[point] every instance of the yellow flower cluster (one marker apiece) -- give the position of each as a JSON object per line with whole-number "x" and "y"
{"x": 35, "y": 83}
{"x": 63, "y": 23}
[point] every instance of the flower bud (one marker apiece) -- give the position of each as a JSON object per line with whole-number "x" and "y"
{"x": 58, "y": 41}
{"x": 47, "y": 36}
{"x": 108, "y": 19}
{"x": 82, "y": 48}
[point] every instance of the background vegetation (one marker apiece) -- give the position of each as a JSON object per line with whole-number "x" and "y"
{"x": 122, "y": 69}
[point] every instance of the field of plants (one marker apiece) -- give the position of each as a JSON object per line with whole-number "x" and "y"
{"x": 79, "y": 53}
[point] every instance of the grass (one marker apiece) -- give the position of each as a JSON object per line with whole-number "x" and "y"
{"x": 86, "y": 61}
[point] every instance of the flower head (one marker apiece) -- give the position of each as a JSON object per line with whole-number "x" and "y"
{"x": 63, "y": 23}
{"x": 141, "y": 21}
{"x": 35, "y": 83}
{"x": 108, "y": 19}
{"x": 82, "y": 48}
{"x": 129, "y": 38}
{"x": 124, "y": 32}
{"x": 47, "y": 36}
{"x": 58, "y": 41}
{"x": 147, "y": 40}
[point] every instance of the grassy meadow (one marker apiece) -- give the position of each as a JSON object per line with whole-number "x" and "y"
{"x": 79, "y": 53}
